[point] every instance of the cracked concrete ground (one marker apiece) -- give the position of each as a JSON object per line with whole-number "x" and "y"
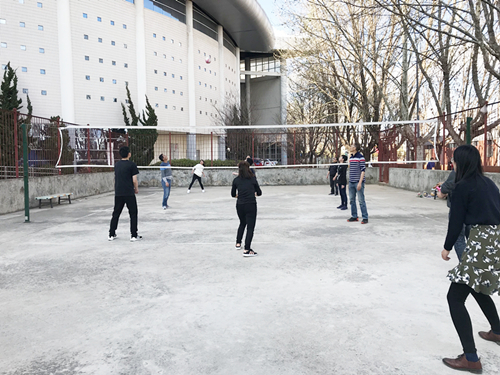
{"x": 323, "y": 296}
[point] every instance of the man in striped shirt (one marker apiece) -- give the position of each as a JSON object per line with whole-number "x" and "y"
{"x": 357, "y": 184}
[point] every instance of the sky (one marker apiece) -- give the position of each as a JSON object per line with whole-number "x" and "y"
{"x": 270, "y": 7}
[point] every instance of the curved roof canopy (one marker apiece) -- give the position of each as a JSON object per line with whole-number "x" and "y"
{"x": 244, "y": 21}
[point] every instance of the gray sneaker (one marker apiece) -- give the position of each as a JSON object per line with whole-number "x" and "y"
{"x": 134, "y": 239}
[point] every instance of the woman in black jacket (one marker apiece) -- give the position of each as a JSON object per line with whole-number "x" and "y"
{"x": 245, "y": 188}
{"x": 476, "y": 202}
{"x": 342, "y": 182}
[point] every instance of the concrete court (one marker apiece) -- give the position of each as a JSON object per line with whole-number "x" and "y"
{"x": 323, "y": 296}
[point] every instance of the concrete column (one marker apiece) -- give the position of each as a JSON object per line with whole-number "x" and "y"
{"x": 191, "y": 141}
{"x": 247, "y": 91}
{"x": 238, "y": 86}
{"x": 283, "y": 112}
{"x": 140, "y": 41}
{"x": 66, "y": 61}
{"x": 222, "y": 92}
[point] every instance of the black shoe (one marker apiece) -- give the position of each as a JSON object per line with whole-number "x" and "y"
{"x": 340, "y": 206}
{"x": 344, "y": 208}
{"x": 364, "y": 221}
{"x": 352, "y": 219}
{"x": 330, "y": 194}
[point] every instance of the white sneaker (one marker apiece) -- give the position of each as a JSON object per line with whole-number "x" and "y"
{"x": 164, "y": 207}
{"x": 189, "y": 191}
{"x": 203, "y": 191}
{"x": 112, "y": 238}
{"x": 134, "y": 239}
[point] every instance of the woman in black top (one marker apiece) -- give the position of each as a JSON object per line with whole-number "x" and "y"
{"x": 476, "y": 202}
{"x": 342, "y": 182}
{"x": 245, "y": 188}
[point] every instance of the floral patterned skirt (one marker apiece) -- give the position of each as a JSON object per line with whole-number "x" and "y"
{"x": 479, "y": 267}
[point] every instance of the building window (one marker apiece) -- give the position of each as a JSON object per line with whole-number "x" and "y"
{"x": 199, "y": 83}
{"x": 39, "y": 5}
{"x": 22, "y": 24}
{"x": 85, "y": 36}
{"x": 102, "y": 98}
{"x": 163, "y": 38}
{"x": 125, "y": 65}
{"x": 182, "y": 93}
{"x": 155, "y": 53}
{"x": 87, "y": 78}
{"x": 101, "y": 79}
{"x": 112, "y": 23}
{"x": 113, "y": 43}
{"x": 23, "y": 48}
{"x": 156, "y": 71}
{"x": 172, "y": 41}
{"x": 182, "y": 108}
{"x": 173, "y": 59}
{"x": 85, "y": 15}
{"x": 201, "y": 112}
{"x": 154, "y": 35}
{"x": 173, "y": 107}
{"x": 180, "y": 44}
{"x": 156, "y": 88}
{"x": 44, "y": 92}
{"x": 40, "y": 27}
{"x": 173, "y": 75}
{"x": 126, "y": 83}
{"x": 164, "y": 56}
{"x": 173, "y": 91}
{"x": 199, "y": 67}
{"x": 180, "y": 61}
{"x": 3, "y": 45}
{"x": 156, "y": 105}
{"x": 99, "y": 40}
{"x": 24, "y": 69}
{"x": 126, "y": 101}
{"x": 165, "y": 90}
{"x": 165, "y": 74}
{"x": 215, "y": 73}
{"x": 115, "y": 100}
{"x": 41, "y": 50}
{"x": 89, "y": 97}
{"x": 124, "y": 46}
{"x": 114, "y": 82}
{"x": 166, "y": 106}
{"x": 113, "y": 62}
{"x": 25, "y": 91}
{"x": 180, "y": 78}
{"x": 99, "y": 19}
{"x": 124, "y": 26}
{"x": 2, "y": 21}
{"x": 101, "y": 61}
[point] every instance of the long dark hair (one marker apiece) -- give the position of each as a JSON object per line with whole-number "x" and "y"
{"x": 468, "y": 162}
{"x": 244, "y": 170}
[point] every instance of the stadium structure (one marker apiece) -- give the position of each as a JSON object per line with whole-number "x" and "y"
{"x": 190, "y": 58}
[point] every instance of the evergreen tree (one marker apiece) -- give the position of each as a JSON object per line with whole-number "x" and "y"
{"x": 8, "y": 90}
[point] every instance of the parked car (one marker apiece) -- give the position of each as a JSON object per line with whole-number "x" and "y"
{"x": 270, "y": 162}
{"x": 258, "y": 162}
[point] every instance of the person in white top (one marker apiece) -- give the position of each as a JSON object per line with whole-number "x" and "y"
{"x": 197, "y": 174}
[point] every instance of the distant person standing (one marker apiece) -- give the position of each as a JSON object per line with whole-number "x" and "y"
{"x": 245, "y": 188}
{"x": 126, "y": 187}
{"x": 332, "y": 174}
{"x": 342, "y": 182}
{"x": 357, "y": 184}
{"x": 249, "y": 160}
{"x": 166, "y": 180}
{"x": 197, "y": 174}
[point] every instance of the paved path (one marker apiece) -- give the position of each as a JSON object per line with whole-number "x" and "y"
{"x": 323, "y": 297}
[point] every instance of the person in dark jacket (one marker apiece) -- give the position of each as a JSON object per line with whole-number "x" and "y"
{"x": 447, "y": 191}
{"x": 342, "y": 182}
{"x": 245, "y": 188}
{"x": 332, "y": 174}
{"x": 476, "y": 202}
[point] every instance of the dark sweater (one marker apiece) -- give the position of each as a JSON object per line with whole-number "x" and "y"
{"x": 342, "y": 171}
{"x": 448, "y": 186}
{"x": 475, "y": 201}
{"x": 246, "y": 187}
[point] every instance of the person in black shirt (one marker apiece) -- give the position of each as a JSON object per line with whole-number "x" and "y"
{"x": 342, "y": 182}
{"x": 126, "y": 187}
{"x": 476, "y": 202}
{"x": 245, "y": 188}
{"x": 332, "y": 173}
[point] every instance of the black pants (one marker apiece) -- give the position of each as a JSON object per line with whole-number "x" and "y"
{"x": 457, "y": 294}
{"x": 131, "y": 203}
{"x": 343, "y": 195}
{"x": 334, "y": 188}
{"x": 247, "y": 214}
{"x": 195, "y": 177}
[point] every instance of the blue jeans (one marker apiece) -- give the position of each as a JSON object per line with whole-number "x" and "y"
{"x": 166, "y": 191}
{"x": 353, "y": 191}
{"x": 460, "y": 243}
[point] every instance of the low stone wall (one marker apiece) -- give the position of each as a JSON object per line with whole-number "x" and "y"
{"x": 80, "y": 185}
{"x": 423, "y": 179}
{"x": 86, "y": 184}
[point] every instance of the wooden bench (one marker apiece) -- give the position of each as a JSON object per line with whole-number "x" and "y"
{"x": 66, "y": 196}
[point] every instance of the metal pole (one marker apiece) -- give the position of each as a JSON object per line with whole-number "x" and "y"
{"x": 485, "y": 121}
{"x": 16, "y": 144}
{"x": 444, "y": 143}
{"x": 294, "y": 161}
{"x": 110, "y": 144}
{"x": 253, "y": 137}
{"x": 467, "y": 137}
{"x": 415, "y": 147}
{"x": 25, "y": 173}
{"x": 211, "y": 149}
{"x": 88, "y": 146}
{"x": 59, "y": 144}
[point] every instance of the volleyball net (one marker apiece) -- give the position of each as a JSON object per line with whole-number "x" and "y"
{"x": 271, "y": 146}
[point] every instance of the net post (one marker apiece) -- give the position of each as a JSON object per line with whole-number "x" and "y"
{"x": 88, "y": 146}
{"x": 485, "y": 122}
{"x": 110, "y": 146}
{"x": 16, "y": 144}
{"x": 25, "y": 174}
{"x": 211, "y": 149}
{"x": 170, "y": 146}
{"x": 59, "y": 145}
{"x": 443, "y": 151}
{"x": 294, "y": 161}
{"x": 415, "y": 147}
{"x": 253, "y": 138}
